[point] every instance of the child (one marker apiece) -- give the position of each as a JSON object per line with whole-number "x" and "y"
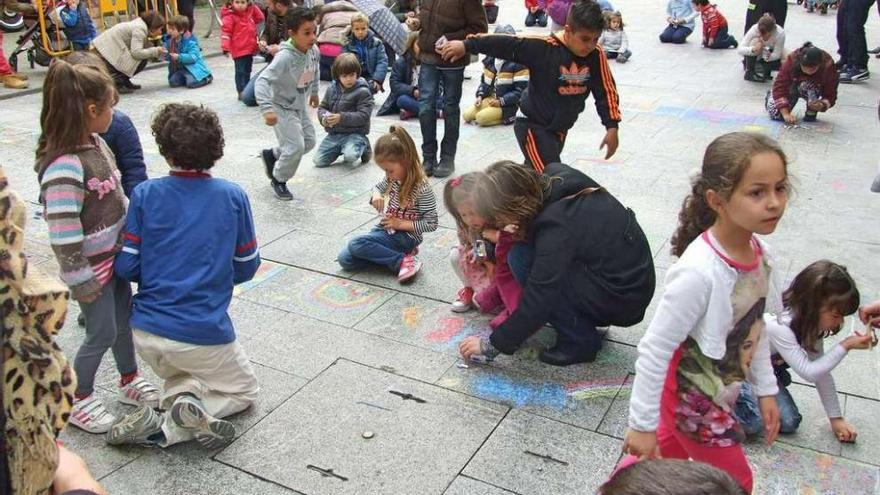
{"x": 558, "y": 11}
{"x": 239, "y": 38}
{"x": 78, "y": 25}
{"x": 501, "y": 87}
{"x": 182, "y": 328}
{"x": 369, "y": 51}
{"x": 535, "y": 14}
{"x": 404, "y": 84}
{"x": 705, "y": 335}
{"x": 613, "y": 39}
{"x": 186, "y": 66}
{"x": 816, "y": 302}
{"x": 762, "y": 49}
{"x": 345, "y": 114}
{"x": 491, "y": 8}
{"x": 564, "y": 68}
{"x": 668, "y": 476}
{"x": 280, "y": 92}
{"x": 715, "y": 33}
{"x": 85, "y": 209}
{"x": 408, "y": 207}
{"x": 807, "y": 73}
{"x": 680, "y": 24}
{"x": 811, "y": 5}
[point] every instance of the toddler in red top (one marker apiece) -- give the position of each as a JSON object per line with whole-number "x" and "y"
{"x": 715, "y": 33}
{"x": 239, "y": 37}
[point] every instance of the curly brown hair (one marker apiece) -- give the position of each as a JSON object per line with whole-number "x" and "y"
{"x": 189, "y": 136}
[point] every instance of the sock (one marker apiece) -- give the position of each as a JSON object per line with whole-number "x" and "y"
{"x": 127, "y": 378}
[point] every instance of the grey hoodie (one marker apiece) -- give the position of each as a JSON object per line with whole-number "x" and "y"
{"x": 289, "y": 79}
{"x": 354, "y": 105}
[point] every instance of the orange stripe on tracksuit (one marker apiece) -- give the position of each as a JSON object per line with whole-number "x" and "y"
{"x": 534, "y": 154}
{"x": 610, "y": 90}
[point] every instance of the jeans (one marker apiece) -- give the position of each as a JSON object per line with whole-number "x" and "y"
{"x": 430, "y": 79}
{"x": 749, "y": 413}
{"x": 183, "y": 78}
{"x": 851, "y": 44}
{"x": 778, "y": 8}
{"x": 723, "y": 39}
{"x": 243, "y": 66}
{"x": 539, "y": 18}
{"x": 376, "y": 248}
{"x": 613, "y": 55}
{"x": 248, "y": 94}
{"x": 408, "y": 103}
{"x": 675, "y": 34}
{"x": 350, "y": 146}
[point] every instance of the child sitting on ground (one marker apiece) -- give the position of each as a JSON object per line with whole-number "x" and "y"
{"x": 345, "y": 114}
{"x": 186, "y": 66}
{"x": 78, "y": 25}
{"x": 369, "y": 51}
{"x": 185, "y": 266}
{"x": 408, "y": 207}
{"x": 613, "y": 39}
{"x": 501, "y": 87}
{"x": 807, "y": 73}
{"x": 762, "y": 49}
{"x": 680, "y": 24}
{"x": 715, "y": 33}
{"x": 404, "y": 84}
{"x": 535, "y": 14}
{"x": 815, "y": 305}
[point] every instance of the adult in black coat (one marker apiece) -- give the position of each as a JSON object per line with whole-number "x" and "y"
{"x": 582, "y": 259}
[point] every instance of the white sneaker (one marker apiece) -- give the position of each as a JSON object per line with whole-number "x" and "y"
{"x": 213, "y": 433}
{"x": 139, "y": 392}
{"x": 89, "y": 414}
{"x": 463, "y": 300}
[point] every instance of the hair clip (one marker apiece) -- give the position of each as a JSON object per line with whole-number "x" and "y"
{"x": 455, "y": 181}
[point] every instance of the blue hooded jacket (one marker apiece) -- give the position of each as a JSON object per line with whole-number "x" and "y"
{"x": 371, "y": 54}
{"x": 78, "y": 25}
{"x": 122, "y": 138}
{"x": 190, "y": 56}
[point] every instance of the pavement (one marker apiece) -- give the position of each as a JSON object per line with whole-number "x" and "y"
{"x": 339, "y": 355}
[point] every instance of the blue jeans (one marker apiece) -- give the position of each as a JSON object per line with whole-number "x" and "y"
{"x": 749, "y": 413}
{"x": 183, "y": 78}
{"x": 350, "y": 146}
{"x": 408, "y": 103}
{"x": 248, "y": 94}
{"x": 539, "y": 18}
{"x": 430, "y": 79}
{"x": 675, "y": 34}
{"x": 376, "y": 248}
{"x": 243, "y": 67}
{"x": 723, "y": 39}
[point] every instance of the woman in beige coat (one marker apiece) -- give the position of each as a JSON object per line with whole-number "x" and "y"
{"x": 126, "y": 47}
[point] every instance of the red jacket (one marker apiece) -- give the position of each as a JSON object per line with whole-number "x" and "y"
{"x": 533, "y": 3}
{"x": 825, "y": 78}
{"x": 239, "y": 35}
{"x": 712, "y": 21}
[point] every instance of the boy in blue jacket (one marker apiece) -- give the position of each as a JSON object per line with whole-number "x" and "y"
{"x": 78, "y": 25}
{"x": 186, "y": 66}
{"x": 370, "y": 52}
{"x": 189, "y": 238}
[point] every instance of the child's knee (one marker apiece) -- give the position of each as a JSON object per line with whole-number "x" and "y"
{"x": 789, "y": 423}
{"x": 346, "y": 259}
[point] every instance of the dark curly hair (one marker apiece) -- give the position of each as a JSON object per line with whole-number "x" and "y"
{"x": 189, "y": 136}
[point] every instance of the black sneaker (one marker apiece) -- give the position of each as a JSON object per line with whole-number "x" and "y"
{"x": 735, "y": 44}
{"x": 367, "y": 154}
{"x": 81, "y": 320}
{"x": 854, "y": 75}
{"x": 754, "y": 77}
{"x": 445, "y": 169}
{"x": 429, "y": 164}
{"x": 810, "y": 117}
{"x": 269, "y": 163}
{"x": 281, "y": 190}
{"x": 875, "y": 51}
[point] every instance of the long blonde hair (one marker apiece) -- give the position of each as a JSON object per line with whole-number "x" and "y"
{"x": 398, "y": 146}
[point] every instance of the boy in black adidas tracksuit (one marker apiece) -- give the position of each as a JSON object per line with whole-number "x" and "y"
{"x": 564, "y": 68}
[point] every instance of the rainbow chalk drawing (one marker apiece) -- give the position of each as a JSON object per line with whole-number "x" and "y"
{"x": 792, "y": 470}
{"x": 530, "y": 393}
{"x": 411, "y": 316}
{"x": 267, "y": 271}
{"x": 453, "y": 329}
{"x": 342, "y": 294}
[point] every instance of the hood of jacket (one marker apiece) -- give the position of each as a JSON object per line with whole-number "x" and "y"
{"x": 565, "y": 181}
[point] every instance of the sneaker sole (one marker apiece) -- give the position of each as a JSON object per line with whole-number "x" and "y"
{"x": 460, "y": 309}
{"x": 409, "y": 276}
{"x": 128, "y": 423}
{"x": 211, "y": 432}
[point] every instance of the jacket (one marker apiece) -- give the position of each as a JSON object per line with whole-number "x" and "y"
{"x": 558, "y": 9}
{"x": 401, "y": 7}
{"x": 682, "y": 9}
{"x": 826, "y": 78}
{"x": 371, "y": 54}
{"x": 401, "y": 83}
{"x": 125, "y": 45}
{"x": 190, "y": 58}
{"x": 713, "y": 21}
{"x": 354, "y": 105}
{"x": 78, "y": 25}
{"x": 507, "y": 84}
{"x": 773, "y": 48}
{"x": 239, "y": 34}
{"x": 122, "y": 138}
{"x": 335, "y": 19}
{"x": 287, "y": 81}
{"x": 581, "y": 242}
{"x": 276, "y": 28}
{"x": 455, "y": 19}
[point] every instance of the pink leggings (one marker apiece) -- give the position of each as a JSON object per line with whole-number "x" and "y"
{"x": 5, "y": 68}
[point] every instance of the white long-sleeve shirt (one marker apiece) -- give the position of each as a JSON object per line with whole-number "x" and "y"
{"x": 696, "y": 303}
{"x": 813, "y": 367}
{"x": 773, "y": 47}
{"x": 614, "y": 40}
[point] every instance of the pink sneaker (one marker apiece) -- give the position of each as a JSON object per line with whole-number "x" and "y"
{"x": 408, "y": 268}
{"x": 404, "y": 115}
{"x": 462, "y": 302}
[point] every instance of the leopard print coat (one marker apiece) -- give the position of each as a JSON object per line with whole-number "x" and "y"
{"x": 38, "y": 382}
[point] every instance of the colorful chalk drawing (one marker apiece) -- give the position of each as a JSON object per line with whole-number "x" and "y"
{"x": 267, "y": 271}
{"x": 785, "y": 469}
{"x": 747, "y": 122}
{"x": 341, "y": 294}
{"x": 451, "y": 330}
{"x": 411, "y": 316}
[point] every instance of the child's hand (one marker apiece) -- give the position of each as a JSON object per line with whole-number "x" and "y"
{"x": 314, "y": 101}
{"x": 789, "y": 118}
{"x": 469, "y": 347}
{"x": 270, "y": 118}
{"x": 174, "y": 56}
{"x": 843, "y": 431}
{"x": 413, "y": 23}
{"x": 452, "y": 50}
{"x": 495, "y": 102}
{"x": 263, "y": 45}
{"x": 376, "y": 87}
{"x": 378, "y": 203}
{"x": 332, "y": 119}
{"x": 610, "y": 140}
{"x": 858, "y": 341}
{"x": 478, "y": 101}
{"x": 393, "y": 223}
{"x": 490, "y": 235}
{"x": 870, "y": 314}
{"x": 642, "y": 444}
{"x": 670, "y": 20}
{"x": 161, "y": 50}
{"x": 410, "y": 14}
{"x": 770, "y": 414}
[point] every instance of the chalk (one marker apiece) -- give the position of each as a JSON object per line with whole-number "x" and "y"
{"x": 463, "y": 366}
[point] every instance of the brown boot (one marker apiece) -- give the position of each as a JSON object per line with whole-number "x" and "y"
{"x": 12, "y": 82}
{"x": 19, "y": 76}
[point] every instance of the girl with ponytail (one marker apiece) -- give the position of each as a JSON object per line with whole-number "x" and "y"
{"x": 705, "y": 337}
{"x": 808, "y": 73}
{"x": 407, "y": 205}
{"x": 84, "y": 207}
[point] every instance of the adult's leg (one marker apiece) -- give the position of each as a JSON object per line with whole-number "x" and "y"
{"x": 779, "y": 9}
{"x": 429, "y": 82}
{"x": 576, "y": 334}
{"x": 329, "y": 150}
{"x": 381, "y": 248}
{"x": 754, "y": 10}
{"x": 291, "y": 145}
{"x": 842, "y": 33}
{"x": 452, "y": 81}
{"x": 187, "y": 8}
{"x": 857, "y": 16}
{"x": 353, "y": 146}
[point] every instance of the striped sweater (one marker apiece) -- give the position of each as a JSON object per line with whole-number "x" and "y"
{"x": 85, "y": 211}
{"x": 422, "y": 210}
{"x": 713, "y": 21}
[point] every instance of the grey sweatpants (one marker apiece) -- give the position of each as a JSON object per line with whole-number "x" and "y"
{"x": 296, "y": 137}
{"x": 107, "y": 327}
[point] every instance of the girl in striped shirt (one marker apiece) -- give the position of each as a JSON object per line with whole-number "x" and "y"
{"x": 85, "y": 211}
{"x": 407, "y": 205}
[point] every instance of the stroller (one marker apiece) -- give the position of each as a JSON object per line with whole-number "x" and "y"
{"x": 43, "y": 38}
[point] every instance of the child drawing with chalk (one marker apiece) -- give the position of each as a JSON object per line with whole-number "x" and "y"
{"x": 815, "y": 305}
{"x": 408, "y": 207}
{"x": 480, "y": 260}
